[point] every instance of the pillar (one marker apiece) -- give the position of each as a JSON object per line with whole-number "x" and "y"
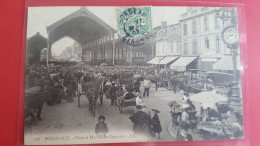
{"x": 113, "y": 49}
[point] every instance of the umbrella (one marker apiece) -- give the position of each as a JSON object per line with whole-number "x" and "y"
{"x": 208, "y": 99}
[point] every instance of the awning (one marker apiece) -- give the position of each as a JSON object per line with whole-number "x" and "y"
{"x": 155, "y": 60}
{"x": 226, "y": 63}
{"x": 168, "y": 59}
{"x": 208, "y": 99}
{"x": 181, "y": 63}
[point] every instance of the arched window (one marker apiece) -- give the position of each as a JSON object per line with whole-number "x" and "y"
{"x": 194, "y": 47}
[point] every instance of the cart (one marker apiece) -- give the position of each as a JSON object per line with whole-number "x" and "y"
{"x": 122, "y": 103}
{"x": 91, "y": 92}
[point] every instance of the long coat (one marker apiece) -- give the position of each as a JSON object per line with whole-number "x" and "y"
{"x": 141, "y": 122}
{"x": 156, "y": 124}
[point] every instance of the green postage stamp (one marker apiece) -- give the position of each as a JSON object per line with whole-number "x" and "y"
{"x": 134, "y": 24}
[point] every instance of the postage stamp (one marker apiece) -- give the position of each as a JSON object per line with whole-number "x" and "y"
{"x": 134, "y": 25}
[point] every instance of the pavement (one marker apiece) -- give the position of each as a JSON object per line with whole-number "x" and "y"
{"x": 68, "y": 118}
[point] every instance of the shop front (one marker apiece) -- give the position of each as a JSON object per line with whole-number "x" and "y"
{"x": 184, "y": 63}
{"x": 168, "y": 60}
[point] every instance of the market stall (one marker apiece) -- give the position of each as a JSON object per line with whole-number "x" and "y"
{"x": 212, "y": 107}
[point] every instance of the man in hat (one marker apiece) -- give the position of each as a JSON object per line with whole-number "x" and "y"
{"x": 142, "y": 122}
{"x": 156, "y": 125}
{"x": 113, "y": 93}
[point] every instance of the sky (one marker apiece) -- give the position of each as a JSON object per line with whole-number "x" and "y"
{"x": 41, "y": 17}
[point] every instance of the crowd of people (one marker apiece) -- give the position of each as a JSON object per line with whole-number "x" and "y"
{"x": 98, "y": 82}
{"x": 64, "y": 82}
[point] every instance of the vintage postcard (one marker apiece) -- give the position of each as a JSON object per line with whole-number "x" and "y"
{"x": 132, "y": 74}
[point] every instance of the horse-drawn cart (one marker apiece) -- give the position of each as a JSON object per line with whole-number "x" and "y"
{"x": 121, "y": 102}
{"x": 91, "y": 91}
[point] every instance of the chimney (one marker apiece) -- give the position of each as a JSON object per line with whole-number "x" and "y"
{"x": 163, "y": 24}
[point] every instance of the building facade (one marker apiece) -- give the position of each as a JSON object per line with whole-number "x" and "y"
{"x": 201, "y": 35}
{"x": 168, "y": 40}
{"x": 196, "y": 40}
{"x": 112, "y": 50}
{"x": 167, "y": 44}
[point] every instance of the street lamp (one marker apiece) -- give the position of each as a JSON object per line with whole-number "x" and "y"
{"x": 230, "y": 37}
{"x": 227, "y": 13}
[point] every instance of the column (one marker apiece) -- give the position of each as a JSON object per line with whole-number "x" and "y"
{"x": 48, "y": 50}
{"x": 113, "y": 49}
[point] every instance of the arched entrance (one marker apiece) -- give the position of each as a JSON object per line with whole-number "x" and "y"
{"x": 82, "y": 26}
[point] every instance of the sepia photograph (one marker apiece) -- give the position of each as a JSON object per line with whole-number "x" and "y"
{"x": 96, "y": 74}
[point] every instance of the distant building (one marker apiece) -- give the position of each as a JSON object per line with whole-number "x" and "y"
{"x": 34, "y": 46}
{"x": 168, "y": 40}
{"x": 43, "y": 55}
{"x": 73, "y": 52}
{"x": 167, "y": 43}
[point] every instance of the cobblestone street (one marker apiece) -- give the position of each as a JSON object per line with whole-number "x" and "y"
{"x": 67, "y": 117}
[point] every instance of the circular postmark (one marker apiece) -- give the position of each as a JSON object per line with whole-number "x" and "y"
{"x": 134, "y": 25}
